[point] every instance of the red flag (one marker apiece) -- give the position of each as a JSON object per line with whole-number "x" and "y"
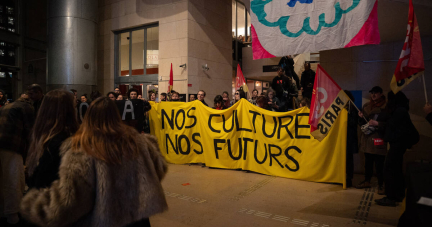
{"x": 170, "y": 85}
{"x": 240, "y": 80}
{"x": 411, "y": 63}
{"x": 328, "y": 99}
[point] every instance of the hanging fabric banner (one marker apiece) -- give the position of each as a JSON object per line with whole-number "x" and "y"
{"x": 287, "y": 27}
{"x": 250, "y": 138}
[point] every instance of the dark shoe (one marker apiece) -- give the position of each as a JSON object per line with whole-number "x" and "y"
{"x": 386, "y": 202}
{"x": 363, "y": 184}
{"x": 381, "y": 190}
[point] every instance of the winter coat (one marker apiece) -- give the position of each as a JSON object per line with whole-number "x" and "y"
{"x": 92, "y": 193}
{"x": 48, "y": 166}
{"x": 16, "y": 122}
{"x": 367, "y": 144}
{"x": 397, "y": 128}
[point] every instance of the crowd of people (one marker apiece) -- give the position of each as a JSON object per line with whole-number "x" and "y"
{"x": 77, "y": 173}
{"x": 69, "y": 164}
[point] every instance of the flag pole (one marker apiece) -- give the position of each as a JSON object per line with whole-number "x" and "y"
{"x": 424, "y": 86}
{"x": 358, "y": 109}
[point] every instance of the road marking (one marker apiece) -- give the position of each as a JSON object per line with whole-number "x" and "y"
{"x": 280, "y": 218}
{"x": 252, "y": 189}
{"x": 365, "y": 204}
{"x": 185, "y": 197}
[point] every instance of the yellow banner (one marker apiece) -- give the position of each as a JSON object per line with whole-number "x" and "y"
{"x": 250, "y": 138}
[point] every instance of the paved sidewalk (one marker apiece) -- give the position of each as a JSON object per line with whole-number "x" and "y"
{"x": 202, "y": 196}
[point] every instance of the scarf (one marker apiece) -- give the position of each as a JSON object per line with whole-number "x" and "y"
{"x": 378, "y": 103}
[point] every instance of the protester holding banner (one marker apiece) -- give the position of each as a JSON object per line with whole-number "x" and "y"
{"x": 227, "y": 101}
{"x": 109, "y": 176}
{"x": 132, "y": 94}
{"x": 273, "y": 101}
{"x": 400, "y": 134}
{"x": 163, "y": 97}
{"x": 201, "y": 95}
{"x": 305, "y": 102}
{"x": 174, "y": 96}
{"x": 191, "y": 98}
{"x": 372, "y": 139}
{"x": 239, "y": 94}
{"x": 112, "y": 95}
{"x": 262, "y": 102}
{"x": 153, "y": 96}
{"x": 254, "y": 97}
{"x": 219, "y": 103}
{"x": 56, "y": 122}
{"x": 307, "y": 81}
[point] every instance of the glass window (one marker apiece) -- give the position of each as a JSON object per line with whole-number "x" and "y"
{"x": 10, "y": 20}
{"x": 152, "y": 64}
{"x": 241, "y": 22}
{"x": 124, "y": 54}
{"x": 234, "y": 33}
{"x": 137, "y": 53}
{"x": 249, "y": 38}
{"x": 10, "y": 10}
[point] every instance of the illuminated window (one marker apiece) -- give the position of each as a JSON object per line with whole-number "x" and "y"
{"x": 137, "y": 52}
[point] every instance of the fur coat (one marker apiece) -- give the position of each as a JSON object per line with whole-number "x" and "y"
{"x": 91, "y": 192}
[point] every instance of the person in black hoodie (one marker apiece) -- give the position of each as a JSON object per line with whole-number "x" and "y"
{"x": 55, "y": 123}
{"x": 287, "y": 63}
{"x": 400, "y": 133}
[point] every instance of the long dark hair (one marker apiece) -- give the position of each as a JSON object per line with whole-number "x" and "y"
{"x": 104, "y": 136}
{"x": 56, "y": 115}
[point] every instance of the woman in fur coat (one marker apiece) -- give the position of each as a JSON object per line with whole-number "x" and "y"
{"x": 109, "y": 176}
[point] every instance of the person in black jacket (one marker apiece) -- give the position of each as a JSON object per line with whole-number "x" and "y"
{"x": 287, "y": 63}
{"x": 35, "y": 93}
{"x": 307, "y": 81}
{"x": 55, "y": 123}
{"x": 352, "y": 139}
{"x": 399, "y": 129}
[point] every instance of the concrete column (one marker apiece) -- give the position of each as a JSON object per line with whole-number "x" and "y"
{"x": 72, "y": 49}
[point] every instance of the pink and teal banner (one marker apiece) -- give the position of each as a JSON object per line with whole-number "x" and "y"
{"x": 286, "y": 27}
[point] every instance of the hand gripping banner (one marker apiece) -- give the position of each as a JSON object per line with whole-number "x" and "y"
{"x": 286, "y": 27}
{"x": 250, "y": 138}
